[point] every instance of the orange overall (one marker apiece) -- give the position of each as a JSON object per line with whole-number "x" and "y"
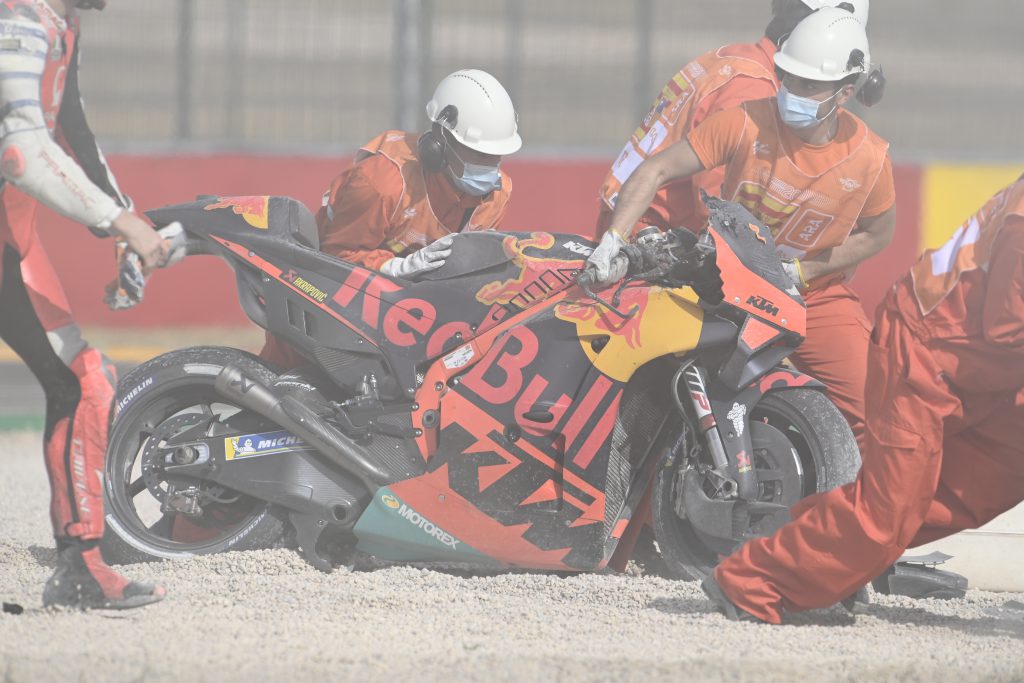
{"x": 812, "y": 198}
{"x": 713, "y": 82}
{"x": 387, "y": 205}
{"x": 944, "y": 450}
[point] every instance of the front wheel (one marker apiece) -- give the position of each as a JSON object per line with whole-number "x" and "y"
{"x": 159, "y": 400}
{"x": 802, "y": 445}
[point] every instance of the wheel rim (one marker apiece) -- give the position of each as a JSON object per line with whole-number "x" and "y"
{"x": 785, "y": 475}
{"x": 136, "y": 508}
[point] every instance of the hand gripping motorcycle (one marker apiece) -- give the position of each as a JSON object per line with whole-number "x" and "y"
{"x": 495, "y": 412}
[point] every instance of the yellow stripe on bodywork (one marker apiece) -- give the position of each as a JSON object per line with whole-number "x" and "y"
{"x": 951, "y": 194}
{"x": 669, "y": 324}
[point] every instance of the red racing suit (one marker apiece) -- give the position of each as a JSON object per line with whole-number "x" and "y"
{"x": 944, "y": 449}
{"x": 50, "y": 155}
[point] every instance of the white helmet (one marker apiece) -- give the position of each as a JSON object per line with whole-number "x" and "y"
{"x": 483, "y": 119}
{"x": 860, "y": 7}
{"x": 829, "y": 45}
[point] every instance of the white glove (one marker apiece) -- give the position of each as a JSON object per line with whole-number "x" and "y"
{"x": 600, "y": 262}
{"x": 617, "y": 271}
{"x": 174, "y": 236}
{"x": 430, "y": 257}
{"x": 796, "y": 274}
{"x": 127, "y": 290}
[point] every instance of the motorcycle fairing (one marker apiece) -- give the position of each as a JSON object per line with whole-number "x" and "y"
{"x": 536, "y": 487}
{"x": 785, "y": 377}
{"x": 746, "y": 249}
{"x": 617, "y": 346}
{"x": 280, "y": 217}
{"x": 558, "y": 484}
{"x": 392, "y": 529}
{"x": 759, "y": 347}
{"x": 545, "y": 492}
{"x": 404, "y": 322}
{"x": 530, "y": 480}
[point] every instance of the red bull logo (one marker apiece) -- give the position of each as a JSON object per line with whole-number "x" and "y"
{"x": 254, "y": 210}
{"x": 591, "y": 318}
{"x": 537, "y": 278}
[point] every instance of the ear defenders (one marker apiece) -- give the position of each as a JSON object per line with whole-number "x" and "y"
{"x": 872, "y": 89}
{"x": 432, "y": 144}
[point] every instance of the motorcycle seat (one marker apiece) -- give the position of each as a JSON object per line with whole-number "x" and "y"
{"x": 290, "y": 219}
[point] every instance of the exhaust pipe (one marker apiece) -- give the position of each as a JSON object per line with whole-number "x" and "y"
{"x": 243, "y": 390}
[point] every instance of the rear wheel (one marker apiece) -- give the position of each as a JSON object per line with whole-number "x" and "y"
{"x": 802, "y": 445}
{"x": 145, "y": 518}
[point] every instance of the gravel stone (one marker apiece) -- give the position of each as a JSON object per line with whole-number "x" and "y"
{"x": 268, "y": 616}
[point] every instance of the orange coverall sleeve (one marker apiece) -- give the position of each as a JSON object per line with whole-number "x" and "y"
{"x": 883, "y": 194}
{"x": 1003, "y": 316}
{"x": 715, "y": 141}
{"x": 356, "y": 222}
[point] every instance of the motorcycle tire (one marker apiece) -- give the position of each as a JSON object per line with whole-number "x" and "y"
{"x": 823, "y": 455}
{"x": 172, "y": 384}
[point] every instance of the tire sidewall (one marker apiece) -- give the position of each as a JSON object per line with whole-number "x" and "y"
{"x": 157, "y": 380}
{"x": 835, "y": 457}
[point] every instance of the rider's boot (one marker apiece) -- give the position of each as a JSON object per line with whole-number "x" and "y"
{"x": 83, "y": 580}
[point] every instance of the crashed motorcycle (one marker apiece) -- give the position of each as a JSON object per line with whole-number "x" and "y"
{"x": 496, "y": 412}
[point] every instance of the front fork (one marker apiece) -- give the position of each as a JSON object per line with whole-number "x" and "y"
{"x": 733, "y": 471}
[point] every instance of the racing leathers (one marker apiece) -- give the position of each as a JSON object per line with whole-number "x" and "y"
{"x": 48, "y": 154}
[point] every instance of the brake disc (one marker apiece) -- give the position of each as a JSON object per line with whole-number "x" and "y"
{"x": 775, "y": 456}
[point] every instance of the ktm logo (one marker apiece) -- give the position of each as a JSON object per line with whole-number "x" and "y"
{"x": 762, "y": 304}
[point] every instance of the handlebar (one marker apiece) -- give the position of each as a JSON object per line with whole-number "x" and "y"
{"x": 672, "y": 259}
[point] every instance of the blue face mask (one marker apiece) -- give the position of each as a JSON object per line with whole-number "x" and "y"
{"x": 800, "y": 112}
{"x": 476, "y": 179}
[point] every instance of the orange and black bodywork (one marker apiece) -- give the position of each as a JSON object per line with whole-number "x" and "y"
{"x": 513, "y": 418}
